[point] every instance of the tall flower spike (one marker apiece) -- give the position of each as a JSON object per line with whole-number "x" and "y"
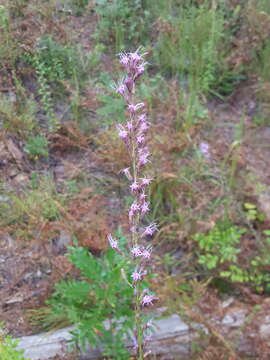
{"x": 134, "y": 134}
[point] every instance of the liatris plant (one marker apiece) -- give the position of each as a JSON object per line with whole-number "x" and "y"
{"x": 134, "y": 135}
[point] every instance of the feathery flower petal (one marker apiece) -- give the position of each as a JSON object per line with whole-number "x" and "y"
{"x": 142, "y": 118}
{"x": 146, "y": 254}
{"x": 121, "y": 89}
{"x": 134, "y": 186}
{"x": 124, "y": 59}
{"x": 140, "y": 139}
{"x": 136, "y": 276}
{"x": 126, "y": 172}
{"x": 136, "y": 251}
{"x": 150, "y": 229}
{"x": 145, "y": 207}
{"x": 122, "y": 132}
{"x": 146, "y": 181}
{"x": 113, "y": 242}
{"x": 132, "y": 108}
{"x": 148, "y": 300}
{"x": 142, "y": 196}
{"x": 134, "y": 209}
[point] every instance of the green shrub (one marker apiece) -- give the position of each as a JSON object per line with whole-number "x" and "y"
{"x": 77, "y": 7}
{"x": 219, "y": 246}
{"x": 19, "y": 116}
{"x": 220, "y": 253}
{"x": 33, "y": 206}
{"x": 122, "y": 23}
{"x": 101, "y": 293}
{"x": 189, "y": 45}
{"x": 8, "y": 349}
{"x": 36, "y": 147}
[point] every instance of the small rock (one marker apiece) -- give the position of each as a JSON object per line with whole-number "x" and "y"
{"x": 265, "y": 331}
{"x": 39, "y": 273}
{"x": 227, "y": 302}
{"x": 64, "y": 239}
{"x": 14, "y": 299}
{"x": 235, "y": 318}
{"x": 21, "y": 179}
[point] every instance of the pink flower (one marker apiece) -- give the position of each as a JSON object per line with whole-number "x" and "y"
{"x": 140, "y": 70}
{"x": 145, "y": 207}
{"x": 122, "y": 132}
{"x": 113, "y": 242}
{"x": 143, "y": 196}
{"x": 133, "y": 229}
{"x": 146, "y": 254}
{"x": 143, "y": 156}
{"x": 143, "y": 160}
{"x": 136, "y": 276}
{"x": 134, "y": 209}
{"x": 140, "y": 139}
{"x": 124, "y": 59}
{"x": 126, "y": 172}
{"x": 142, "y": 118}
{"x": 121, "y": 89}
{"x": 132, "y": 108}
{"x": 150, "y": 229}
{"x": 148, "y": 300}
{"x": 146, "y": 181}
{"x": 136, "y": 251}
{"x": 143, "y": 127}
{"x": 143, "y": 150}
{"x": 135, "y": 57}
{"x": 130, "y": 125}
{"x": 134, "y": 186}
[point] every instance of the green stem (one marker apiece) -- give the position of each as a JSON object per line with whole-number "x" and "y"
{"x": 135, "y": 237}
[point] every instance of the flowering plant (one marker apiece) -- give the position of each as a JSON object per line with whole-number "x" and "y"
{"x": 134, "y": 135}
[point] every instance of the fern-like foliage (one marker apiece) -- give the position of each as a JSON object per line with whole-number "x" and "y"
{"x": 101, "y": 293}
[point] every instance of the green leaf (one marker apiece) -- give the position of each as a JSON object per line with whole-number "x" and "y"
{"x": 249, "y": 206}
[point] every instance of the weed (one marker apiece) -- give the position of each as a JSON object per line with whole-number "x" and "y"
{"x": 30, "y": 209}
{"x": 220, "y": 252}
{"x": 53, "y": 63}
{"x": 190, "y": 45}
{"x": 163, "y": 199}
{"x": 219, "y": 246}
{"x": 58, "y": 60}
{"x": 111, "y": 109}
{"x": 77, "y": 7}
{"x": 19, "y": 116}
{"x": 121, "y": 22}
{"x": 45, "y": 94}
{"x": 8, "y": 348}
{"x": 9, "y": 49}
{"x": 36, "y": 147}
{"x": 252, "y": 212}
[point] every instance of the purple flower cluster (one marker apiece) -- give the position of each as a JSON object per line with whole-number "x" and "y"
{"x": 134, "y": 134}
